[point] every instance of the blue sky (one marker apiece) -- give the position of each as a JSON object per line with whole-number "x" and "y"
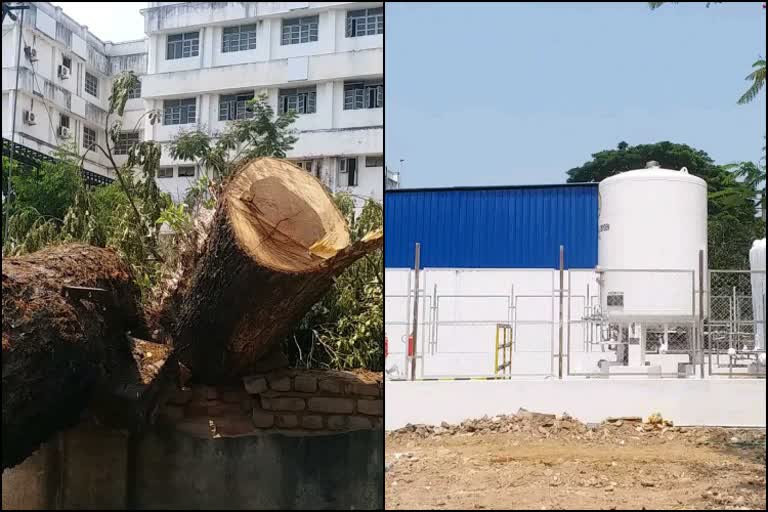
{"x": 494, "y": 94}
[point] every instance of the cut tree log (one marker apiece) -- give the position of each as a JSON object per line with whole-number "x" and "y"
{"x": 63, "y": 339}
{"x": 276, "y": 242}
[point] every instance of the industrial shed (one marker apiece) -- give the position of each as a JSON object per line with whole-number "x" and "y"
{"x": 492, "y": 227}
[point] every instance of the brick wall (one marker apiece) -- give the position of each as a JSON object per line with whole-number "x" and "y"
{"x": 285, "y": 400}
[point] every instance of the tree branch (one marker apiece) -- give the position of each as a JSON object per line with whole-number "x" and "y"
{"x": 123, "y": 185}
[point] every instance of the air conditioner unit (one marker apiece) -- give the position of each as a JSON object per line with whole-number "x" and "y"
{"x": 63, "y": 72}
{"x": 29, "y": 117}
{"x": 64, "y": 132}
{"x": 31, "y": 53}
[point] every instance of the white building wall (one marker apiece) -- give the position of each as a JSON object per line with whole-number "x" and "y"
{"x": 44, "y": 92}
{"x": 324, "y": 136}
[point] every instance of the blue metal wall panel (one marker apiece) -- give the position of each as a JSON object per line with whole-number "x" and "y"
{"x": 506, "y": 227}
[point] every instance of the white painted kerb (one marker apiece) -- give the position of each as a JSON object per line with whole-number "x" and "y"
{"x": 711, "y": 402}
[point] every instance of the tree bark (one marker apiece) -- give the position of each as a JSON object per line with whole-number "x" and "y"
{"x": 276, "y": 243}
{"x": 59, "y": 345}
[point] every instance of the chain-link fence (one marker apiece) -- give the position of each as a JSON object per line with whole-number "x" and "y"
{"x": 734, "y": 340}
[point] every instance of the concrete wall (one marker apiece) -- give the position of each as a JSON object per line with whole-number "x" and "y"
{"x": 464, "y": 342}
{"x": 342, "y": 471}
{"x": 686, "y": 402}
{"x": 287, "y": 439}
{"x": 96, "y": 469}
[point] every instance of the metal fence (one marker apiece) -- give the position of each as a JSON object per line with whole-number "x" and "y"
{"x": 734, "y": 339}
{"x": 666, "y": 323}
{"x": 642, "y": 323}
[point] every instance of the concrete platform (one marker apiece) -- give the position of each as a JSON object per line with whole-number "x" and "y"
{"x": 687, "y": 402}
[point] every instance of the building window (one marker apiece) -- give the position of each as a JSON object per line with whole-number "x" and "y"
{"x": 89, "y": 137}
{"x": 233, "y": 106}
{"x": 183, "y": 45}
{"x": 91, "y": 85}
{"x": 64, "y": 120}
{"x": 374, "y": 161}
{"x": 302, "y": 100}
{"x": 124, "y": 141}
{"x": 179, "y": 111}
{"x": 236, "y": 39}
{"x": 300, "y": 30}
{"x": 187, "y": 170}
{"x": 67, "y": 63}
{"x": 165, "y": 172}
{"x": 359, "y": 95}
{"x": 365, "y": 22}
{"x": 135, "y": 92}
{"x": 304, "y": 164}
{"x": 348, "y": 172}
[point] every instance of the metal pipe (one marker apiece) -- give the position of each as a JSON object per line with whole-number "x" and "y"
{"x": 560, "y": 349}
{"x": 701, "y": 310}
{"x": 424, "y": 345}
{"x": 570, "y": 298}
{"x": 693, "y": 341}
{"x": 407, "y": 322}
{"x": 588, "y": 328}
{"x": 433, "y": 325}
{"x": 13, "y": 122}
{"x": 552, "y": 329}
{"x": 415, "y": 309}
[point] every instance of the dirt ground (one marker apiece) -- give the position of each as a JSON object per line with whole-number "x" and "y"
{"x": 541, "y": 462}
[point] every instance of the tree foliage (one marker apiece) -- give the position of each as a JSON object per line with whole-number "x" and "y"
{"x": 49, "y": 188}
{"x": 122, "y": 215}
{"x": 757, "y": 77}
{"x": 346, "y": 329}
{"x": 625, "y": 157}
{"x": 732, "y": 222}
{"x": 260, "y": 134}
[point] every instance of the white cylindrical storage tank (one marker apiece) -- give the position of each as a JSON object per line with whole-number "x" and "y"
{"x": 655, "y": 220}
{"x": 757, "y": 266}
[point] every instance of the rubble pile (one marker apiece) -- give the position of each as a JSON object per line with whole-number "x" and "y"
{"x": 620, "y": 430}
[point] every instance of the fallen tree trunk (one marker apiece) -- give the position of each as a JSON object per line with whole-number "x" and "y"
{"x": 276, "y": 243}
{"x": 62, "y": 342}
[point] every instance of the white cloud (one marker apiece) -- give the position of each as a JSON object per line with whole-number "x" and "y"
{"x": 109, "y": 21}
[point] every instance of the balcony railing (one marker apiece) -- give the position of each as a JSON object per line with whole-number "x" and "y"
{"x": 30, "y": 157}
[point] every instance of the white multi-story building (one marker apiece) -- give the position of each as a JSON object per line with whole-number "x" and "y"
{"x": 198, "y": 64}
